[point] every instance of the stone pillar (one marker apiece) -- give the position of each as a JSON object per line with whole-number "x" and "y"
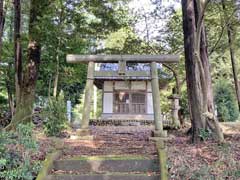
{"x": 69, "y": 111}
{"x": 156, "y": 101}
{"x": 95, "y": 101}
{"x": 175, "y": 109}
{"x": 162, "y": 155}
{"x": 88, "y": 97}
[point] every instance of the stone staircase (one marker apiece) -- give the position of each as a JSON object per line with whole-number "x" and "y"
{"x": 105, "y": 168}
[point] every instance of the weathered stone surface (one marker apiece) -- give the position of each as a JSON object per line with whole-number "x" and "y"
{"x": 48, "y": 165}
{"x": 88, "y": 96}
{"x": 162, "y": 155}
{"x": 83, "y": 132}
{"x": 162, "y": 133}
{"x": 105, "y": 177}
{"x": 156, "y": 99}
{"x": 142, "y": 165}
{"x": 77, "y": 137}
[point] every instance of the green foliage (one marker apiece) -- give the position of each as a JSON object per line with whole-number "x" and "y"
{"x": 74, "y": 27}
{"x": 225, "y": 101}
{"x": 3, "y": 93}
{"x": 54, "y": 115}
{"x": 3, "y": 104}
{"x": 25, "y": 136}
{"x": 16, "y": 151}
{"x": 184, "y": 102}
{"x": 204, "y": 134}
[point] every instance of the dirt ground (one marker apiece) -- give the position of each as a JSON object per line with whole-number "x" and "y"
{"x": 208, "y": 160}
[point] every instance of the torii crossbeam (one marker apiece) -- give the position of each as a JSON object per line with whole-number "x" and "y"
{"x": 122, "y": 59}
{"x": 128, "y": 58}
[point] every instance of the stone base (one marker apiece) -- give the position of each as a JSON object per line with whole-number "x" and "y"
{"x": 83, "y": 132}
{"x": 156, "y": 139}
{"x": 58, "y": 143}
{"x": 159, "y": 136}
{"x": 76, "y": 125}
{"x": 76, "y": 137}
{"x": 162, "y": 134}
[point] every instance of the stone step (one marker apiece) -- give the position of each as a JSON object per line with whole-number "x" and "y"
{"x": 104, "y": 177}
{"x": 113, "y": 164}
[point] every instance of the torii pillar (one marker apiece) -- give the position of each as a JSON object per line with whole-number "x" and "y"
{"x": 88, "y": 97}
{"x": 156, "y": 102}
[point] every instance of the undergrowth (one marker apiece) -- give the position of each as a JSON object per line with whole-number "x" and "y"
{"x": 16, "y": 151}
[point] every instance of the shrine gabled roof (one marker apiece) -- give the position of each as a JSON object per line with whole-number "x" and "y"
{"x": 101, "y": 76}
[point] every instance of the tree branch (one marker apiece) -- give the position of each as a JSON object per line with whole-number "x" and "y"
{"x": 225, "y": 23}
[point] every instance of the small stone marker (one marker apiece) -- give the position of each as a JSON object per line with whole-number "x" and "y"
{"x": 69, "y": 111}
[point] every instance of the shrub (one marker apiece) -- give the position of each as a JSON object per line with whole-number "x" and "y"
{"x": 54, "y": 115}
{"x": 204, "y": 134}
{"x": 225, "y": 101}
{"x": 16, "y": 151}
{"x": 184, "y": 103}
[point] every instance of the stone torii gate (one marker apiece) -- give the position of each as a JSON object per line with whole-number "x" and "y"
{"x": 122, "y": 60}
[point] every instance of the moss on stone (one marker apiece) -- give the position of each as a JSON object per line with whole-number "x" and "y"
{"x": 47, "y": 165}
{"x": 109, "y": 157}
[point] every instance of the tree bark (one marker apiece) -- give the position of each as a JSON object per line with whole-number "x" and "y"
{"x": 2, "y": 22}
{"x": 206, "y": 67}
{"x": 234, "y": 66}
{"x": 28, "y": 79}
{"x": 9, "y": 90}
{"x": 17, "y": 49}
{"x": 197, "y": 71}
{"x": 212, "y": 121}
{"x": 232, "y": 55}
{"x": 56, "y": 78}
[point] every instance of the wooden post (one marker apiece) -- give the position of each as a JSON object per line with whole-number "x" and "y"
{"x": 88, "y": 97}
{"x": 156, "y": 101}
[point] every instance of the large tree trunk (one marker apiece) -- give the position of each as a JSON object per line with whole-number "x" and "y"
{"x": 234, "y": 66}
{"x": 26, "y": 97}
{"x": 2, "y": 22}
{"x": 17, "y": 49}
{"x": 9, "y": 90}
{"x": 10, "y": 80}
{"x": 212, "y": 121}
{"x": 232, "y": 55}
{"x": 18, "y": 62}
{"x": 206, "y": 67}
{"x": 27, "y": 89}
{"x": 197, "y": 72}
{"x": 56, "y": 78}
